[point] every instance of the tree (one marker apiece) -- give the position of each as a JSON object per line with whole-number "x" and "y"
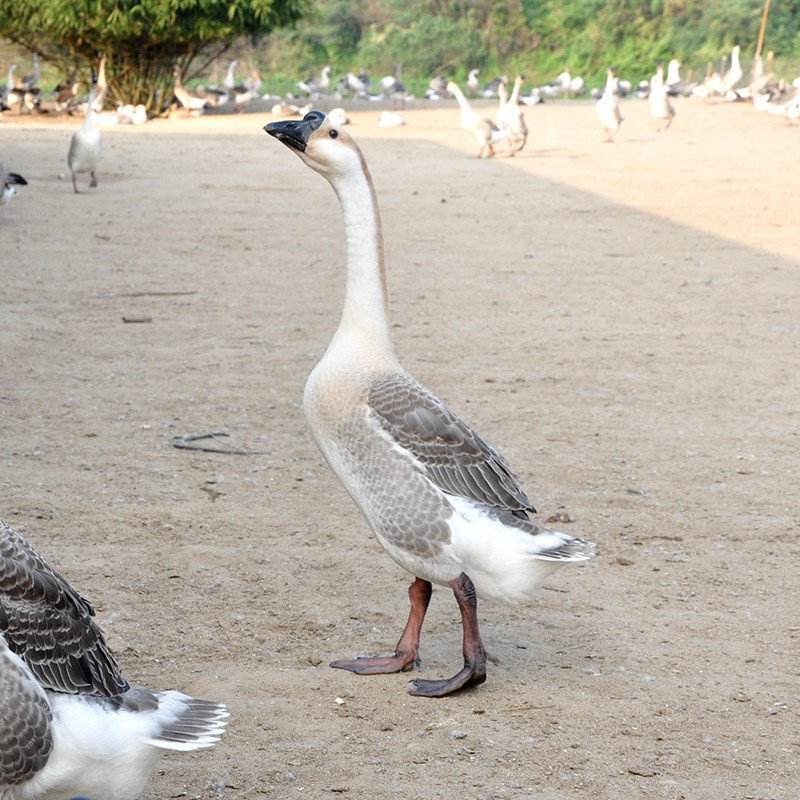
{"x": 141, "y": 39}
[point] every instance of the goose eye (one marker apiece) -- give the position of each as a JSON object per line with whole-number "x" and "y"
{"x": 333, "y": 134}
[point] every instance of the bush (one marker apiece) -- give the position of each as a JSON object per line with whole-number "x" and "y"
{"x": 142, "y": 39}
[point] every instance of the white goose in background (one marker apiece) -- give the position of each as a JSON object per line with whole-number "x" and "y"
{"x": 386, "y": 119}
{"x": 102, "y": 86}
{"x": 10, "y": 93}
{"x": 732, "y": 77}
{"x": 28, "y": 89}
{"x": 660, "y": 107}
{"x": 85, "y": 147}
{"x": 316, "y": 86}
{"x": 674, "y": 84}
{"x": 473, "y": 84}
{"x": 607, "y": 107}
{"x": 338, "y": 116}
{"x": 510, "y": 118}
{"x": 70, "y": 724}
{"x": 483, "y": 130}
{"x": 442, "y": 501}
{"x": 8, "y": 184}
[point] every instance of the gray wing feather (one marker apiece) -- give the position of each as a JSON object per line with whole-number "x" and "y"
{"x": 453, "y": 456}
{"x": 50, "y": 626}
{"x": 25, "y": 716}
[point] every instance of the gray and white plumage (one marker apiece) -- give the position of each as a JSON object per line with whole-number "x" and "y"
{"x": 85, "y": 147}
{"x": 70, "y": 724}
{"x": 8, "y": 184}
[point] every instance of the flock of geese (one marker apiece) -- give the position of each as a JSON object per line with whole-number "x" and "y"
{"x": 763, "y": 88}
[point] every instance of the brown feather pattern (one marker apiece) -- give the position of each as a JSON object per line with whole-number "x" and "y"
{"x": 453, "y": 456}
{"x": 50, "y": 626}
{"x": 25, "y": 737}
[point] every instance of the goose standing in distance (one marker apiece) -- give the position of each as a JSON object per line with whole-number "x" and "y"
{"x": 8, "y": 183}
{"x": 510, "y": 117}
{"x": 442, "y": 501}
{"x": 85, "y": 147}
{"x": 193, "y": 104}
{"x": 660, "y": 107}
{"x": 607, "y": 107}
{"x": 473, "y": 84}
{"x": 70, "y": 724}
{"x": 484, "y": 131}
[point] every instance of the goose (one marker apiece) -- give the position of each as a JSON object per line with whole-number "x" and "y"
{"x": 84, "y": 147}
{"x": 70, "y": 724}
{"x": 442, "y": 501}
{"x": 337, "y": 116}
{"x": 473, "y": 84}
{"x": 192, "y": 103}
{"x": 229, "y": 81}
{"x": 510, "y": 118}
{"x": 660, "y": 107}
{"x": 30, "y": 93}
{"x": 733, "y": 75}
{"x": 30, "y": 80}
{"x": 8, "y": 183}
{"x": 437, "y": 85}
{"x": 66, "y": 95}
{"x": 392, "y": 84}
{"x": 315, "y": 86}
{"x": 10, "y": 93}
{"x": 607, "y": 107}
{"x": 674, "y": 85}
{"x": 534, "y": 98}
{"x": 102, "y": 86}
{"x": 253, "y": 82}
{"x": 490, "y": 89}
{"x": 386, "y": 119}
{"x": 485, "y": 132}
{"x": 357, "y": 84}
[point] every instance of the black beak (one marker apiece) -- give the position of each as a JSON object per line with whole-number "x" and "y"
{"x": 13, "y": 177}
{"x": 294, "y": 133}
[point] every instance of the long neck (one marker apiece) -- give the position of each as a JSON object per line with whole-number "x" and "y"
{"x": 88, "y": 120}
{"x": 462, "y": 101}
{"x": 515, "y": 92}
{"x": 366, "y": 302}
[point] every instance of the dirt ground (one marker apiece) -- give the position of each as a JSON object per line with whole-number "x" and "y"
{"x": 620, "y": 320}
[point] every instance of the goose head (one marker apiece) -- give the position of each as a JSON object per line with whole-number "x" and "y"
{"x": 325, "y": 147}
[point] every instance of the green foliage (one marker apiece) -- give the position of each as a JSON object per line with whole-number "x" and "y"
{"x": 142, "y": 39}
{"x": 537, "y": 37}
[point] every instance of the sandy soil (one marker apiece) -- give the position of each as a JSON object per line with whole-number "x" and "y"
{"x": 621, "y": 320}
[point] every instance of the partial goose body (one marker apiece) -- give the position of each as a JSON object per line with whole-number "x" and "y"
{"x": 660, "y": 107}
{"x": 490, "y": 89}
{"x": 442, "y": 501}
{"x": 229, "y": 81}
{"x": 483, "y": 130}
{"x": 8, "y": 184}
{"x": 85, "y": 146}
{"x": 70, "y": 724}
{"x": 10, "y": 94}
{"x": 192, "y": 103}
{"x": 388, "y": 119}
{"x": 607, "y": 107}
{"x": 510, "y": 118}
{"x": 313, "y": 87}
